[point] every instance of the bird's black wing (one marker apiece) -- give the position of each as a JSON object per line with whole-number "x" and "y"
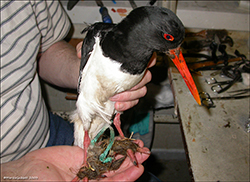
{"x": 97, "y": 29}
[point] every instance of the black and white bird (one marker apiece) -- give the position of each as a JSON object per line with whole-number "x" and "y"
{"x": 114, "y": 59}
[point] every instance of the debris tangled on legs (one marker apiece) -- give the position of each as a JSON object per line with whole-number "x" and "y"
{"x": 121, "y": 148}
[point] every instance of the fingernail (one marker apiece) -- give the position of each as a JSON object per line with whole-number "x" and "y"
{"x": 115, "y": 97}
{"x": 119, "y": 106}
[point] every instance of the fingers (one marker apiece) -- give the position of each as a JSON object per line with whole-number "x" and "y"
{"x": 152, "y": 60}
{"x": 128, "y": 99}
{"x": 127, "y": 171}
{"x": 123, "y": 106}
{"x": 141, "y": 157}
{"x": 136, "y": 92}
{"x": 78, "y": 49}
{"x": 139, "y": 142}
{"x": 146, "y": 79}
{"x": 129, "y": 95}
{"x": 130, "y": 174}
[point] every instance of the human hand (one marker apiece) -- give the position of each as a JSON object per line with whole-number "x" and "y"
{"x": 127, "y": 99}
{"x": 61, "y": 163}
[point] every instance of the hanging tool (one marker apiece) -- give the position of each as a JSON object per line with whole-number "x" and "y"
{"x": 104, "y": 12}
{"x": 234, "y": 72}
{"x": 240, "y": 92}
{"x": 209, "y": 62}
{"x": 207, "y": 39}
{"x": 212, "y": 80}
{"x": 218, "y": 88}
{"x": 133, "y": 4}
{"x": 151, "y": 2}
{"x": 209, "y": 65}
{"x": 209, "y": 35}
{"x": 71, "y": 4}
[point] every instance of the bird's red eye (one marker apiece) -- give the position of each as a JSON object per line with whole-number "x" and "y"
{"x": 168, "y": 37}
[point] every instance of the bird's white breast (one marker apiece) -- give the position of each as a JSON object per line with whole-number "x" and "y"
{"x": 101, "y": 79}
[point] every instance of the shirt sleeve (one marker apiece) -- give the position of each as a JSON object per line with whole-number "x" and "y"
{"x": 52, "y": 22}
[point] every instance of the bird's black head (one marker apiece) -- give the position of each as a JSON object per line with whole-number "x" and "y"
{"x": 143, "y": 31}
{"x": 158, "y": 28}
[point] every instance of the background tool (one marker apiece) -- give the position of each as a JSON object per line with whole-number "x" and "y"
{"x": 133, "y": 4}
{"x": 207, "y": 101}
{"x": 71, "y": 4}
{"x": 104, "y": 12}
{"x": 152, "y": 2}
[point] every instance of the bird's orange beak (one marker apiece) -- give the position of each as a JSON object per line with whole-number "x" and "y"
{"x": 180, "y": 63}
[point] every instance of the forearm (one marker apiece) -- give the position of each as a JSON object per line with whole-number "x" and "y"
{"x": 59, "y": 65}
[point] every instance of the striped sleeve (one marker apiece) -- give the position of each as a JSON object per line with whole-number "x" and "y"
{"x": 27, "y": 28}
{"x": 52, "y": 29}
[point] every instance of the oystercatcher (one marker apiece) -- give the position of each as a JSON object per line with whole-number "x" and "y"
{"x": 114, "y": 59}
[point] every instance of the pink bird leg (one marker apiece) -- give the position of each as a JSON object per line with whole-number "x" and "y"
{"x": 117, "y": 123}
{"x": 86, "y": 144}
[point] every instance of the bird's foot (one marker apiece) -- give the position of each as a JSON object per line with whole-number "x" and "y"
{"x": 130, "y": 152}
{"x": 143, "y": 150}
{"x": 132, "y": 157}
{"x": 130, "y": 147}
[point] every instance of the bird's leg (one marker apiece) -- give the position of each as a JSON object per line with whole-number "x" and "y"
{"x": 117, "y": 123}
{"x": 86, "y": 143}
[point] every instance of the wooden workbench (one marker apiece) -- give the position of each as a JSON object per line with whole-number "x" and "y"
{"x": 216, "y": 140}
